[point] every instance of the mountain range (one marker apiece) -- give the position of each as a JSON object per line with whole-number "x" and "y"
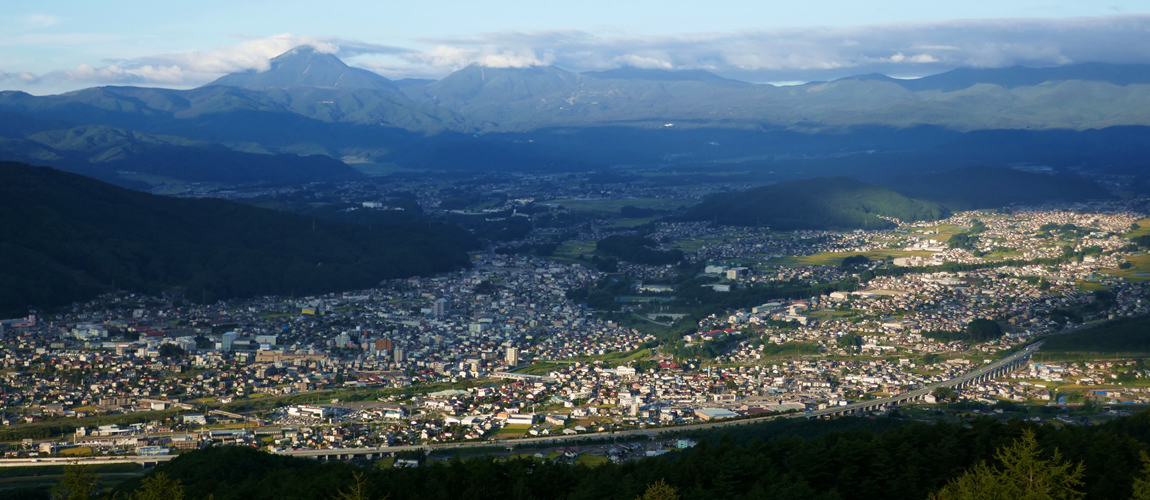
{"x": 322, "y": 112}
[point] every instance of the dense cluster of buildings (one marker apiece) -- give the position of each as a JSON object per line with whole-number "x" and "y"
{"x": 511, "y": 355}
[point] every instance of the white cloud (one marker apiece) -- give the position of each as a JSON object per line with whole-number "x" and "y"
{"x": 22, "y": 76}
{"x": 170, "y": 75}
{"x": 805, "y": 54}
{"x": 253, "y": 54}
{"x": 201, "y": 66}
{"x": 917, "y": 58}
{"x": 40, "y": 20}
{"x": 489, "y": 56}
{"x": 644, "y": 62}
{"x": 784, "y": 55}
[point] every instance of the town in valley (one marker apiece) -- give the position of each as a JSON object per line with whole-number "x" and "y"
{"x": 549, "y": 338}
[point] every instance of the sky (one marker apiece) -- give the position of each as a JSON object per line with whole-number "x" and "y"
{"x": 53, "y": 46}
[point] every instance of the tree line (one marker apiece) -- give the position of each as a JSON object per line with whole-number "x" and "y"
{"x": 848, "y": 458}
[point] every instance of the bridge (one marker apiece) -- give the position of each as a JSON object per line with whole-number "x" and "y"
{"x": 145, "y": 461}
{"x": 988, "y": 372}
{"x": 521, "y": 376}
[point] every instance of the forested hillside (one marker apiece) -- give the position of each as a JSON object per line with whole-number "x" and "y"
{"x": 821, "y": 203}
{"x": 68, "y": 237}
{"x": 988, "y": 187}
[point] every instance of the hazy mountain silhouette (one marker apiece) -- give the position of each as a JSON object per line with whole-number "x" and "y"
{"x": 305, "y": 67}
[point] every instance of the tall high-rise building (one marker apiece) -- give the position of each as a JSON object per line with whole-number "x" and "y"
{"x": 227, "y": 341}
{"x": 383, "y": 345}
{"x": 512, "y": 357}
{"x": 439, "y": 308}
{"x": 398, "y": 355}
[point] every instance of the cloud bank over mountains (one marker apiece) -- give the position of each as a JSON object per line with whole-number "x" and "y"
{"x": 799, "y": 54}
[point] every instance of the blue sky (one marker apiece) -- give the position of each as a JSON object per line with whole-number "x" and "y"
{"x": 51, "y": 46}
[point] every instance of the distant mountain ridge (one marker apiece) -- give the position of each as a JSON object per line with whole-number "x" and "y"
{"x": 310, "y": 103}
{"x": 633, "y": 73}
{"x": 304, "y": 66}
{"x": 1020, "y": 76}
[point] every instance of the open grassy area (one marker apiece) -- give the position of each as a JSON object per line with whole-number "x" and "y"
{"x": 945, "y": 231}
{"x": 835, "y": 258}
{"x": 619, "y": 357}
{"x": 512, "y": 431}
{"x": 643, "y": 325}
{"x": 541, "y": 368}
{"x": 1090, "y": 286}
{"x": 831, "y": 314}
{"x": 1143, "y": 229}
{"x": 573, "y": 249}
{"x": 1140, "y": 271}
{"x": 591, "y": 460}
{"x": 277, "y": 315}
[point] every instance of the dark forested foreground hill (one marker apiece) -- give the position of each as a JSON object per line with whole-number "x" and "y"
{"x": 68, "y": 237}
{"x": 821, "y": 203}
{"x": 848, "y": 458}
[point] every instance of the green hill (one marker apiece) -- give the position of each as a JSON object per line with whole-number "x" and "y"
{"x": 101, "y": 151}
{"x": 1127, "y": 336}
{"x": 68, "y": 237}
{"x": 988, "y": 187}
{"x": 821, "y": 203}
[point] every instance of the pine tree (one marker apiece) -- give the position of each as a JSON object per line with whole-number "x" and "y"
{"x": 78, "y": 483}
{"x": 357, "y": 491}
{"x": 1024, "y": 475}
{"x": 1142, "y": 481}
{"x": 660, "y": 490}
{"x": 159, "y": 487}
